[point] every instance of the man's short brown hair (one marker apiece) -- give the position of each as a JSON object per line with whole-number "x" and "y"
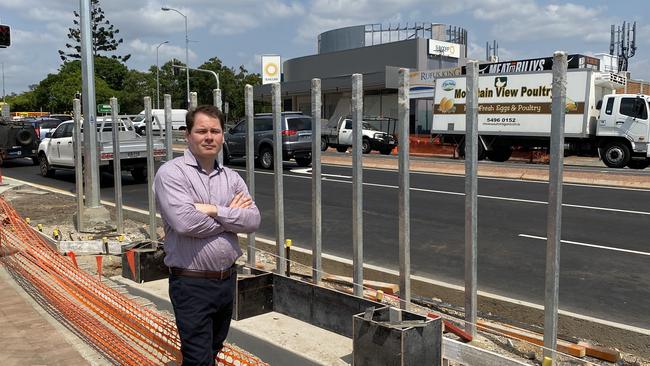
{"x": 208, "y": 110}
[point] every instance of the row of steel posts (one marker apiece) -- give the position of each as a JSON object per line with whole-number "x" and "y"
{"x": 471, "y": 185}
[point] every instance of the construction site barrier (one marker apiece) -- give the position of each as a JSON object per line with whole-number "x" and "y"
{"x": 123, "y": 331}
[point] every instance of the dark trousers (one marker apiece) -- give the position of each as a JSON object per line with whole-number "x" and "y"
{"x": 203, "y": 308}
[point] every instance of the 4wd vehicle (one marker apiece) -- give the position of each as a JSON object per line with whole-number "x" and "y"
{"x": 17, "y": 140}
{"x": 338, "y": 134}
{"x": 56, "y": 150}
{"x": 296, "y": 139}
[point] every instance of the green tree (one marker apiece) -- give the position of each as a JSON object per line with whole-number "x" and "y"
{"x": 137, "y": 85}
{"x": 56, "y": 91}
{"x": 22, "y": 102}
{"x": 103, "y": 36}
{"x": 232, "y": 82}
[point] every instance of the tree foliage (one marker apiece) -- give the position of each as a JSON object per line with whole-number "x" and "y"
{"x": 113, "y": 79}
{"x": 103, "y": 36}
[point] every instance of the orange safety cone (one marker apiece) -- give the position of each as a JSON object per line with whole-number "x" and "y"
{"x": 74, "y": 258}
{"x": 130, "y": 257}
{"x": 99, "y": 266}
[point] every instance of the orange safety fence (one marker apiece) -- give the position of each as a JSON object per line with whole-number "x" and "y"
{"x": 121, "y": 330}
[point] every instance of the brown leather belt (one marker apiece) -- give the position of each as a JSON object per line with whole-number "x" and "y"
{"x": 219, "y": 275}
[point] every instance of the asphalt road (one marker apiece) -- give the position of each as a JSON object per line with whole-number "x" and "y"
{"x": 605, "y": 261}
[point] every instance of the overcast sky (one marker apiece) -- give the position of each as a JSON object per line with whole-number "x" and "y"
{"x": 239, "y": 31}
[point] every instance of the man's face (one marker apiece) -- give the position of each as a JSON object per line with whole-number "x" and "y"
{"x": 206, "y": 137}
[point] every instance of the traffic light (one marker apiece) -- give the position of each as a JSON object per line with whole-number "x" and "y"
{"x": 5, "y": 36}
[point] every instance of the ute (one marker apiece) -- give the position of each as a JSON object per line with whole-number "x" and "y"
{"x": 56, "y": 151}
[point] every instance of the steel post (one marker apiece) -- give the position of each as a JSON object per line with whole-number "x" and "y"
{"x": 316, "y": 189}
{"x": 169, "y": 144}
{"x": 193, "y": 100}
{"x": 91, "y": 176}
{"x": 250, "y": 164}
{"x": 216, "y": 100}
{"x": 357, "y": 184}
{"x": 276, "y": 100}
{"x": 117, "y": 167}
{"x": 554, "y": 215}
{"x": 150, "y": 170}
{"x": 78, "y": 164}
{"x": 471, "y": 196}
{"x": 403, "y": 107}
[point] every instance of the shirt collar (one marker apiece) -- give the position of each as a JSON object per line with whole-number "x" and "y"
{"x": 190, "y": 160}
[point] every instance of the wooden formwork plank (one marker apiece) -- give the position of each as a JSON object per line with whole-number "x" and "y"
{"x": 535, "y": 338}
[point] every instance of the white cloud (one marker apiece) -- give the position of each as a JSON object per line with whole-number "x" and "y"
{"x": 143, "y": 53}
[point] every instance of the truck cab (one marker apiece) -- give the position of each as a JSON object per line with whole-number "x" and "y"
{"x": 624, "y": 131}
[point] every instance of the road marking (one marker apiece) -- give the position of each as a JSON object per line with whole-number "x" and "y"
{"x": 588, "y": 245}
{"x": 520, "y": 200}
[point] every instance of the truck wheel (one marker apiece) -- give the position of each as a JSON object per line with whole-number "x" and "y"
{"x": 638, "y": 163}
{"x": 365, "y": 146}
{"x": 303, "y": 161}
{"x": 45, "y": 169}
{"x": 615, "y": 154}
{"x": 482, "y": 154}
{"x": 323, "y": 144}
{"x": 265, "y": 159}
{"x": 386, "y": 150}
{"x": 139, "y": 175}
{"x": 341, "y": 148}
{"x": 500, "y": 154}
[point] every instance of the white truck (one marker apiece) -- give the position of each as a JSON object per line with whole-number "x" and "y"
{"x": 337, "y": 133}
{"x": 158, "y": 122}
{"x": 515, "y": 111}
{"x": 56, "y": 151}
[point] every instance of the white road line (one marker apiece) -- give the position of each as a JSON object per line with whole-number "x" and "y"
{"x": 520, "y": 200}
{"x": 588, "y": 245}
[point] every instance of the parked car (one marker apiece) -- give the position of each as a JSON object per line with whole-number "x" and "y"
{"x": 338, "y": 134}
{"x": 43, "y": 125}
{"x": 56, "y": 151}
{"x": 296, "y": 139}
{"x": 18, "y": 139}
{"x": 61, "y": 117}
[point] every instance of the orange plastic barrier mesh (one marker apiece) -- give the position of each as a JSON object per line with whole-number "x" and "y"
{"x": 121, "y": 330}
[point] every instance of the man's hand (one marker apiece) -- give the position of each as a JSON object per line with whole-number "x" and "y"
{"x": 241, "y": 201}
{"x": 210, "y": 210}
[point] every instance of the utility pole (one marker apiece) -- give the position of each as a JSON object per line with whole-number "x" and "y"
{"x": 94, "y": 216}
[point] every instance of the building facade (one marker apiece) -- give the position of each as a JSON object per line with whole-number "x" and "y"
{"x": 375, "y": 51}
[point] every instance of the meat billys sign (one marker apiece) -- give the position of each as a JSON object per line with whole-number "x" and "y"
{"x": 536, "y": 64}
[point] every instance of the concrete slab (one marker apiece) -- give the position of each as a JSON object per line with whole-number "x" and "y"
{"x": 32, "y": 336}
{"x": 274, "y": 337}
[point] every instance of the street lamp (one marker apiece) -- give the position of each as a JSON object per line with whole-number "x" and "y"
{"x": 157, "y": 76}
{"x": 187, "y": 59}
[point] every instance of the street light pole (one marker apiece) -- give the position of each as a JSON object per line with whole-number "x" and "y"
{"x": 158, "y": 77}
{"x": 187, "y": 58}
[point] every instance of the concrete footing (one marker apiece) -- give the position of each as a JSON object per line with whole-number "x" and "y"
{"x": 94, "y": 220}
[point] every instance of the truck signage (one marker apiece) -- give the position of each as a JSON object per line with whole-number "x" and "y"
{"x": 510, "y": 104}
